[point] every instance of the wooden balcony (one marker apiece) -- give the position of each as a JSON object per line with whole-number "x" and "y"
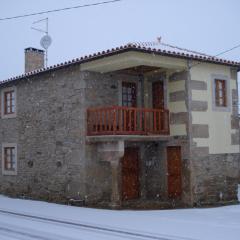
{"x": 117, "y": 120}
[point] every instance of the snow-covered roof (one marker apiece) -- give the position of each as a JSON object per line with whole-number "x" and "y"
{"x": 164, "y": 51}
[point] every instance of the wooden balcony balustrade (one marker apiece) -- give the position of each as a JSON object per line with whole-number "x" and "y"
{"x": 117, "y": 120}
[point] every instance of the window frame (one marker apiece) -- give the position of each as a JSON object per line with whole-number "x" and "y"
{"x": 13, "y": 105}
{"x": 6, "y": 171}
{"x": 226, "y": 96}
{"x": 220, "y": 93}
{"x": 129, "y": 96}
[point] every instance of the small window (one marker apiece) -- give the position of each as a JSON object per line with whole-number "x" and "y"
{"x": 220, "y": 93}
{"x": 9, "y": 102}
{"x": 9, "y": 159}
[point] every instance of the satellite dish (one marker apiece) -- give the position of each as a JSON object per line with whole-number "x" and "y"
{"x": 46, "y": 41}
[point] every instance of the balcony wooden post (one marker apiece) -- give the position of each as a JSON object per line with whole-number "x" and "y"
{"x": 114, "y": 121}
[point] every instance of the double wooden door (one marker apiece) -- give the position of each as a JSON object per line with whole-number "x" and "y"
{"x": 130, "y": 174}
{"x": 174, "y": 172}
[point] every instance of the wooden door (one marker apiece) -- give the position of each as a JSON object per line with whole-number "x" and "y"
{"x": 130, "y": 174}
{"x": 174, "y": 172}
{"x": 158, "y": 103}
{"x": 157, "y": 95}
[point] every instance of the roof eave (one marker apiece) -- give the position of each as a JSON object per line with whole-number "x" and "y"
{"x": 120, "y": 50}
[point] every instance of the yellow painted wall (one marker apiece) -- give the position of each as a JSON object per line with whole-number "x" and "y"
{"x": 219, "y": 140}
{"x": 176, "y": 107}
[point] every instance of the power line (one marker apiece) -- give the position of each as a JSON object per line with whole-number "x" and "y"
{"x": 221, "y": 53}
{"x": 237, "y": 46}
{"x": 159, "y": 42}
{"x": 59, "y": 10}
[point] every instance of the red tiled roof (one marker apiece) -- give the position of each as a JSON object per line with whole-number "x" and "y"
{"x": 122, "y": 49}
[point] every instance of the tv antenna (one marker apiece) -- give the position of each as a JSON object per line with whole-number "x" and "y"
{"x": 46, "y": 40}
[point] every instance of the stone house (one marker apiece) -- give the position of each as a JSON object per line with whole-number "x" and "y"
{"x": 123, "y": 128}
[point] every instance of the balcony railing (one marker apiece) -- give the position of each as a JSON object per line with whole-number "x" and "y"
{"x": 117, "y": 120}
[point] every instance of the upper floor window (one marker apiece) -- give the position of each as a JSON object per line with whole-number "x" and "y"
{"x": 9, "y": 159}
{"x": 129, "y": 94}
{"x": 220, "y": 93}
{"x": 8, "y": 102}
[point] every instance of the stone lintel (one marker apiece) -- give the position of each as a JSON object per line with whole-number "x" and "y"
{"x": 235, "y": 101}
{"x": 200, "y": 131}
{"x": 233, "y": 73}
{"x": 177, "y": 96}
{"x": 199, "y": 106}
{"x": 234, "y": 95}
{"x": 178, "y": 76}
{"x": 198, "y": 85}
{"x": 234, "y": 122}
{"x": 235, "y": 138}
{"x": 179, "y": 118}
{"x": 200, "y": 151}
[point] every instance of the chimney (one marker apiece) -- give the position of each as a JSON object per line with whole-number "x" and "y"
{"x": 34, "y": 59}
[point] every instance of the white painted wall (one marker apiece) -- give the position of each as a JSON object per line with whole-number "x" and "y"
{"x": 219, "y": 122}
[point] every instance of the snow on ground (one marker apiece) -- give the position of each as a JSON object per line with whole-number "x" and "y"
{"x": 222, "y": 223}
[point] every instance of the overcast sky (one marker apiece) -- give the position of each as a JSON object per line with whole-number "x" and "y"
{"x": 210, "y": 26}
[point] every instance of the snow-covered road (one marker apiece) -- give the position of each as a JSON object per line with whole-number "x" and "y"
{"x": 91, "y": 231}
{"x": 47, "y": 221}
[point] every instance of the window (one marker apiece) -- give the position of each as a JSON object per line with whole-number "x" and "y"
{"x": 220, "y": 93}
{"x": 129, "y": 94}
{"x": 9, "y": 102}
{"x": 9, "y": 159}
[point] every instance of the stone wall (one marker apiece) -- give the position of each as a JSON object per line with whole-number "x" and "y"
{"x": 54, "y": 163}
{"x": 102, "y": 90}
{"x": 155, "y": 171}
{"x": 216, "y": 178}
{"x": 50, "y": 134}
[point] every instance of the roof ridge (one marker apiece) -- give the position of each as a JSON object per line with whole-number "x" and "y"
{"x": 122, "y": 48}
